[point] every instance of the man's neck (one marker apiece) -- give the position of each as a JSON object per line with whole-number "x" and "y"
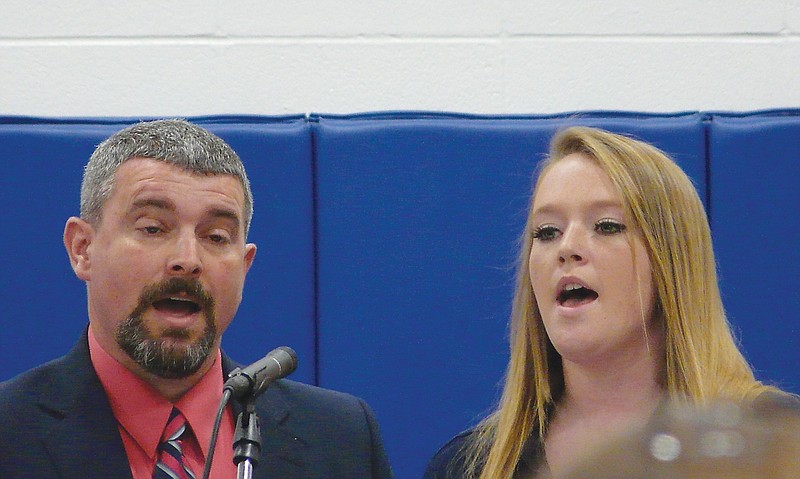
{"x": 174, "y": 389}
{"x": 170, "y": 389}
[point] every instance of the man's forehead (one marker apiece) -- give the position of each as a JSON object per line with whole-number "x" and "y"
{"x": 141, "y": 168}
{"x": 155, "y": 183}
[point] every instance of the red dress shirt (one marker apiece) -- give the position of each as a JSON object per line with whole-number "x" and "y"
{"x": 142, "y": 413}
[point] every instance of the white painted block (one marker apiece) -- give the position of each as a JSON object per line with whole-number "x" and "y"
{"x": 72, "y": 19}
{"x": 180, "y": 57}
{"x": 265, "y": 78}
{"x": 654, "y": 75}
{"x": 637, "y": 17}
{"x": 357, "y": 18}
{"x": 793, "y": 20}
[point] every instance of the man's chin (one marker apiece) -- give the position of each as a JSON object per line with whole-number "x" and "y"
{"x": 171, "y": 355}
{"x": 168, "y": 345}
{"x": 173, "y": 358}
{"x": 178, "y": 337}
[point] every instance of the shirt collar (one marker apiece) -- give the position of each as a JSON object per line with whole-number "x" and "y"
{"x": 143, "y": 412}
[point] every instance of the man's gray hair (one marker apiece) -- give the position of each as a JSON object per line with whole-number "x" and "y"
{"x": 177, "y": 142}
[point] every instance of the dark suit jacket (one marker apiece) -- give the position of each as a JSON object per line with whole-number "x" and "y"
{"x": 56, "y": 422}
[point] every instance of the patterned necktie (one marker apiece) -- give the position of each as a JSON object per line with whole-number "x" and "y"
{"x": 170, "y": 463}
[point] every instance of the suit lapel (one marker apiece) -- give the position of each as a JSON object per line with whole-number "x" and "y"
{"x": 83, "y": 439}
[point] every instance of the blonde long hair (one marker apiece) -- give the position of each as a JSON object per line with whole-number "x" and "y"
{"x": 702, "y": 361}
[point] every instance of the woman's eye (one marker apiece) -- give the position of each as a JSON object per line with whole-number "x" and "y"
{"x": 609, "y": 227}
{"x": 152, "y": 230}
{"x": 545, "y": 233}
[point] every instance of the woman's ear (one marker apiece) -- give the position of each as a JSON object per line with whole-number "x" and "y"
{"x": 78, "y": 235}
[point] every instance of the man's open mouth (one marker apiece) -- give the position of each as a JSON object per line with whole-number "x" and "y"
{"x": 176, "y": 305}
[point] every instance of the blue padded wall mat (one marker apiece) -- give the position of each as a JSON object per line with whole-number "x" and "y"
{"x": 418, "y": 218}
{"x": 45, "y": 305}
{"x": 387, "y": 243}
{"x": 755, "y": 166}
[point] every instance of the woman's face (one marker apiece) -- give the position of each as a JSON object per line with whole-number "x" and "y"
{"x": 590, "y": 272}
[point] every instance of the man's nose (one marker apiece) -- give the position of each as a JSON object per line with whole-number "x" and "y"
{"x": 185, "y": 257}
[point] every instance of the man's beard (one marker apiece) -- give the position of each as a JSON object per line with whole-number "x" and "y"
{"x": 156, "y": 355}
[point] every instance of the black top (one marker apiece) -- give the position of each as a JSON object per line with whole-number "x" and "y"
{"x": 449, "y": 461}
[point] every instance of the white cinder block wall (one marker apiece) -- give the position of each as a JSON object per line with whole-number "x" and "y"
{"x": 162, "y": 57}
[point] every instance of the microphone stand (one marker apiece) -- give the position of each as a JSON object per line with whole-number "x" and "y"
{"x": 247, "y": 384}
{"x": 247, "y": 440}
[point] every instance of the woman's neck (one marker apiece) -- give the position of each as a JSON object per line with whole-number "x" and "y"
{"x": 630, "y": 384}
{"x": 602, "y": 400}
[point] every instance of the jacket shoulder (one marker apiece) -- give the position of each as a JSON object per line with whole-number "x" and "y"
{"x": 21, "y": 391}
{"x": 320, "y": 411}
{"x": 339, "y": 428}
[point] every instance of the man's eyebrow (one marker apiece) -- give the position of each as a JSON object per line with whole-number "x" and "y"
{"x": 155, "y": 203}
{"x": 163, "y": 204}
{"x": 225, "y": 213}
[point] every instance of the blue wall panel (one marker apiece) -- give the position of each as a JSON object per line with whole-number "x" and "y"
{"x": 278, "y": 304}
{"x": 44, "y": 303}
{"x": 755, "y": 166}
{"x": 415, "y": 219}
{"x": 418, "y": 221}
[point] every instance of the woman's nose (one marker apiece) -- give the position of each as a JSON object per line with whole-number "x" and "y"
{"x": 572, "y": 247}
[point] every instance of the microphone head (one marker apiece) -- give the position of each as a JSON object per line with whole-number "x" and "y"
{"x": 287, "y": 359}
{"x": 255, "y": 378}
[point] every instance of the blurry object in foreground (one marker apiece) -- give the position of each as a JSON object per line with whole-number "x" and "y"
{"x": 720, "y": 441}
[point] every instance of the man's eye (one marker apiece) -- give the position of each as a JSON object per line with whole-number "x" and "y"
{"x": 545, "y": 233}
{"x": 221, "y": 239}
{"x": 152, "y": 230}
{"x": 609, "y": 227}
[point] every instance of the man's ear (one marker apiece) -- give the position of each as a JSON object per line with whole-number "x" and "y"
{"x": 78, "y": 235}
{"x": 249, "y": 256}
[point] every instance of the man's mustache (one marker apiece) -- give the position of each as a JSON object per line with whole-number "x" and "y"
{"x": 175, "y": 286}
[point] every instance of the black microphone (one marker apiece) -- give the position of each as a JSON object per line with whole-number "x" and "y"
{"x": 254, "y": 379}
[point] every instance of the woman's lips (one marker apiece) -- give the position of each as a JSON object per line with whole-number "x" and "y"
{"x": 573, "y": 294}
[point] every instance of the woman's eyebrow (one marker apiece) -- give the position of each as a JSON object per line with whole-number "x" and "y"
{"x": 593, "y": 205}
